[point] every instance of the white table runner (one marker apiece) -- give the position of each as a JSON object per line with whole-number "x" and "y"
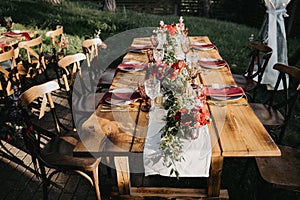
{"x": 197, "y": 153}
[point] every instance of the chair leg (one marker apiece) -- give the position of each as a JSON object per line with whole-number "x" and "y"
{"x": 44, "y": 181}
{"x": 96, "y": 183}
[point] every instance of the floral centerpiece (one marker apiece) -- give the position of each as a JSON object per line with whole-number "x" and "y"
{"x": 186, "y": 107}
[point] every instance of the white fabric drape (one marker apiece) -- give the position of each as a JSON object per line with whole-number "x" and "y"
{"x": 196, "y": 153}
{"x": 276, "y": 10}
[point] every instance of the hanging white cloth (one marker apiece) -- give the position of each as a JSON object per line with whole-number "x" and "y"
{"x": 276, "y": 39}
{"x": 197, "y": 153}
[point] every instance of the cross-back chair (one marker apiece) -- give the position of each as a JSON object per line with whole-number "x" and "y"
{"x": 276, "y": 111}
{"x": 250, "y": 80}
{"x": 8, "y": 72}
{"x": 58, "y": 44}
{"x": 34, "y": 63}
{"x": 82, "y": 100}
{"x": 90, "y": 49}
{"x": 57, "y": 153}
{"x": 281, "y": 172}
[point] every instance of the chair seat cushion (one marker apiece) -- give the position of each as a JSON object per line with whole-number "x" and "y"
{"x": 282, "y": 171}
{"x": 267, "y": 115}
{"x": 244, "y": 82}
{"x": 59, "y": 153}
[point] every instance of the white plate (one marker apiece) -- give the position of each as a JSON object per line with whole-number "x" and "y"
{"x": 117, "y": 101}
{"x": 133, "y": 69}
{"x": 202, "y": 48}
{"x": 226, "y": 98}
{"x": 139, "y": 48}
{"x": 211, "y": 66}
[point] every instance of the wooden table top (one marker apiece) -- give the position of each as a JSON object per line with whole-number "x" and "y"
{"x": 235, "y": 130}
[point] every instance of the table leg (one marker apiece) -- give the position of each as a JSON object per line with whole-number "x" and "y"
{"x": 123, "y": 174}
{"x": 214, "y": 180}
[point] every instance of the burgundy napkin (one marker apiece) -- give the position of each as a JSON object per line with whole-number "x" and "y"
{"x": 124, "y": 66}
{"x": 208, "y": 63}
{"x": 2, "y": 46}
{"x": 224, "y": 92}
{"x": 13, "y": 34}
{"x": 202, "y": 46}
{"x": 139, "y": 48}
{"x": 122, "y": 96}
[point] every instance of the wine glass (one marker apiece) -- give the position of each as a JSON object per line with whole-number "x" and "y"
{"x": 158, "y": 55}
{"x": 152, "y": 88}
{"x": 185, "y": 45}
{"x": 154, "y": 41}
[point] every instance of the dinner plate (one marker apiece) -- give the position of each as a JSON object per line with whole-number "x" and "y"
{"x": 213, "y": 66}
{"x": 132, "y": 69}
{"x": 138, "y": 48}
{"x": 203, "y": 46}
{"x": 116, "y": 93}
{"x": 226, "y": 98}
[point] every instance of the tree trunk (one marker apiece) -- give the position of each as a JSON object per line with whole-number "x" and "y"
{"x": 206, "y": 8}
{"x": 110, "y": 5}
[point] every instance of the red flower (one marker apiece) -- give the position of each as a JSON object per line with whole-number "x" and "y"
{"x": 172, "y": 29}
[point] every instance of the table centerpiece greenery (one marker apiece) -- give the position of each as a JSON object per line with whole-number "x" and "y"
{"x": 186, "y": 106}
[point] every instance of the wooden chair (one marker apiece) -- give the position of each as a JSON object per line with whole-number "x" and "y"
{"x": 82, "y": 100}
{"x": 57, "y": 153}
{"x": 8, "y": 72}
{"x": 250, "y": 80}
{"x": 35, "y": 61}
{"x": 282, "y": 172}
{"x": 90, "y": 48}
{"x": 276, "y": 111}
{"x": 58, "y": 44}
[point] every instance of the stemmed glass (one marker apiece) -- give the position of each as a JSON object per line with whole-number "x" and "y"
{"x": 152, "y": 88}
{"x": 154, "y": 41}
{"x": 185, "y": 45}
{"x": 158, "y": 55}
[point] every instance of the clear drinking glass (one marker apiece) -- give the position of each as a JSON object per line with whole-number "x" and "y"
{"x": 185, "y": 45}
{"x": 158, "y": 55}
{"x": 152, "y": 88}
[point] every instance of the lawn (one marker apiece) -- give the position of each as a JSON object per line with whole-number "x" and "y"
{"x": 82, "y": 19}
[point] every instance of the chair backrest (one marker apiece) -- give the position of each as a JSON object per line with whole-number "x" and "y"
{"x": 34, "y": 53}
{"x": 291, "y": 90}
{"x": 90, "y": 48}
{"x": 8, "y": 72}
{"x": 58, "y": 42}
{"x": 260, "y": 56}
{"x": 71, "y": 65}
{"x": 43, "y": 90}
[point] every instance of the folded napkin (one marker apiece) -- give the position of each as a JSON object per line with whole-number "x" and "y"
{"x": 224, "y": 92}
{"x": 128, "y": 66}
{"x": 139, "y": 47}
{"x": 2, "y": 46}
{"x": 120, "y": 96}
{"x": 14, "y": 34}
{"x": 212, "y": 63}
{"x": 202, "y": 46}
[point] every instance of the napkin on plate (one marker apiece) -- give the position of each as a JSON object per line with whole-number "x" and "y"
{"x": 128, "y": 66}
{"x": 224, "y": 92}
{"x": 120, "y": 96}
{"x": 13, "y": 34}
{"x": 205, "y": 46}
{"x": 139, "y": 47}
{"x": 212, "y": 63}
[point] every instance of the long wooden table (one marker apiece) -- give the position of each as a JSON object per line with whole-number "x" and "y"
{"x": 235, "y": 130}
